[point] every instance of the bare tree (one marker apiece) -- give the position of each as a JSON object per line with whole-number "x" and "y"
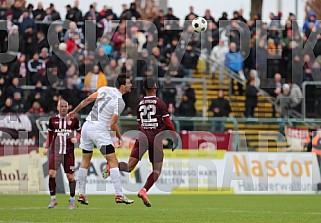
{"x": 314, "y": 5}
{"x": 147, "y": 8}
{"x": 256, "y": 6}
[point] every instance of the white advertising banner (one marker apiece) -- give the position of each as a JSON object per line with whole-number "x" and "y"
{"x": 216, "y": 172}
{"x": 21, "y": 174}
{"x": 272, "y": 173}
{"x": 295, "y": 137}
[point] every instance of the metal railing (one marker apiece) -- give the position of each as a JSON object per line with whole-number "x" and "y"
{"x": 132, "y": 121}
{"x": 304, "y": 85}
{"x": 180, "y": 80}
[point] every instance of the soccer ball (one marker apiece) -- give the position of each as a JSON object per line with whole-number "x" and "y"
{"x": 199, "y": 24}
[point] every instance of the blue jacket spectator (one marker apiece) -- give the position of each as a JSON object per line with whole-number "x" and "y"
{"x": 234, "y": 59}
{"x": 312, "y": 18}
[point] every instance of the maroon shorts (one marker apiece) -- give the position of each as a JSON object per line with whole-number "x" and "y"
{"x": 155, "y": 151}
{"x": 67, "y": 161}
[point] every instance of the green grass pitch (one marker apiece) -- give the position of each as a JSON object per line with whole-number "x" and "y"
{"x": 166, "y": 208}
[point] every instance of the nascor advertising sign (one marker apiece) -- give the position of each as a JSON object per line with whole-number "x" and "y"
{"x": 266, "y": 173}
{"x": 215, "y": 172}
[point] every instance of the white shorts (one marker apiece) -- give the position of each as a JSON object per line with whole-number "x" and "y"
{"x": 92, "y": 135}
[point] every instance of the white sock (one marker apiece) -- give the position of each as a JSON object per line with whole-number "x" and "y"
{"x": 115, "y": 178}
{"x": 82, "y": 179}
{"x": 53, "y": 197}
{"x": 72, "y": 198}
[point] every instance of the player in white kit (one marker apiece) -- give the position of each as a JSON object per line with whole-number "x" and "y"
{"x": 103, "y": 117}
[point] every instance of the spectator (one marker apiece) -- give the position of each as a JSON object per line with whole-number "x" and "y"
{"x": 26, "y": 24}
{"x": 119, "y": 37}
{"x": 189, "y": 61}
{"x": 169, "y": 91}
{"x": 36, "y": 68}
{"x": 251, "y": 95}
{"x": 254, "y": 76}
{"x": 36, "y": 110}
{"x": 312, "y": 19}
{"x": 7, "y": 108}
{"x": 159, "y": 23}
{"x": 39, "y": 14}
{"x": 220, "y": 108}
{"x": 209, "y": 17}
{"x": 284, "y": 106}
{"x": 234, "y": 61}
{"x": 14, "y": 87}
{"x": 175, "y": 69}
{"x": 52, "y": 97}
{"x": 16, "y": 10}
{"x": 172, "y": 26}
{"x": 37, "y": 95}
{"x": 92, "y": 14}
{"x": 19, "y": 68}
{"x": 138, "y": 38}
{"x": 217, "y": 56}
{"x": 53, "y": 13}
{"x": 18, "y": 105}
{"x": 4, "y": 71}
{"x": 44, "y": 55}
{"x": 210, "y": 39}
{"x": 260, "y": 58}
{"x": 222, "y": 21}
{"x": 73, "y": 31}
{"x": 30, "y": 8}
{"x": 71, "y": 93}
{"x": 190, "y": 92}
{"x": 112, "y": 69}
{"x": 3, "y": 91}
{"x": 75, "y": 14}
{"x": 48, "y": 17}
{"x": 3, "y": 10}
{"x": 191, "y": 12}
{"x": 106, "y": 24}
{"x": 101, "y": 58}
{"x": 41, "y": 42}
{"x": 275, "y": 20}
{"x": 134, "y": 14}
{"x": 69, "y": 14}
{"x": 187, "y": 109}
{"x": 95, "y": 79}
{"x": 106, "y": 45}
{"x": 240, "y": 16}
{"x": 275, "y": 89}
{"x": 308, "y": 141}
{"x": 296, "y": 96}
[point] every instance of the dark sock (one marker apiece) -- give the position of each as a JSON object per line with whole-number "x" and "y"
{"x": 151, "y": 180}
{"x": 123, "y": 166}
{"x": 52, "y": 186}
{"x": 72, "y": 188}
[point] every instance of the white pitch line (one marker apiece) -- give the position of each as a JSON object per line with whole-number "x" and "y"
{"x": 166, "y": 209}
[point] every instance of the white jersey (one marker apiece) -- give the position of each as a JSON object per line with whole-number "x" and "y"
{"x": 109, "y": 102}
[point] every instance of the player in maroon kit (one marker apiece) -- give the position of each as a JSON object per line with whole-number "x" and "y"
{"x": 153, "y": 118}
{"x": 60, "y": 140}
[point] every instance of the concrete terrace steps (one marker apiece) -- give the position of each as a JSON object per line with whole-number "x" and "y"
{"x": 249, "y": 133}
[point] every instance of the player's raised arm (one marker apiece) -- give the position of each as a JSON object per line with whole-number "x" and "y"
{"x": 114, "y": 125}
{"x": 91, "y": 98}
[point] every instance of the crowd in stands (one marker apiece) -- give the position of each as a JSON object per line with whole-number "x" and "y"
{"x": 74, "y": 67}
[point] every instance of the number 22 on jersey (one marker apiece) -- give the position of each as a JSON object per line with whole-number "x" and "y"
{"x": 147, "y": 113}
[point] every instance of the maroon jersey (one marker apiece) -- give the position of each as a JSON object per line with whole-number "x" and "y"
{"x": 150, "y": 113}
{"x": 62, "y": 131}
